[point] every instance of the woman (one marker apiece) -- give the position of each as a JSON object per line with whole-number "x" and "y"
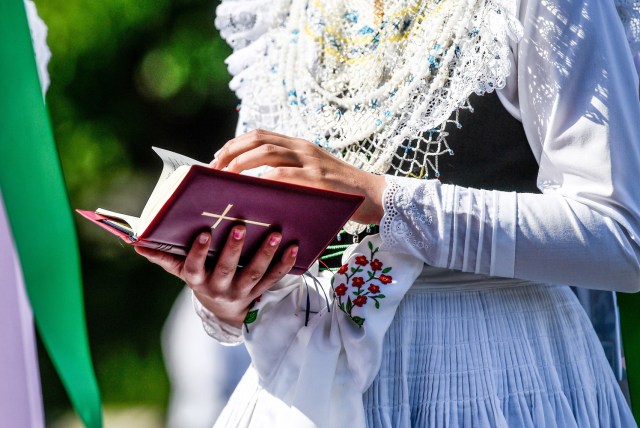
{"x": 458, "y": 313}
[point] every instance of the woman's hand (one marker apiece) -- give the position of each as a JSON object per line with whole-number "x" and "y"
{"x": 227, "y": 290}
{"x": 300, "y": 162}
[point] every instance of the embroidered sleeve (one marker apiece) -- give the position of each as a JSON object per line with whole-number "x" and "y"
{"x": 310, "y": 332}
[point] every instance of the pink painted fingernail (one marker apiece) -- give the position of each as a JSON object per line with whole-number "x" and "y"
{"x": 274, "y": 240}
{"x": 203, "y": 238}
{"x": 238, "y": 234}
{"x": 294, "y": 252}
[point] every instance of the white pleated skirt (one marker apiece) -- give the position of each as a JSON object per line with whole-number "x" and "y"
{"x": 472, "y": 352}
{"x": 494, "y": 353}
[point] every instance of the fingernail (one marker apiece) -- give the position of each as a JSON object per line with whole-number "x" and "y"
{"x": 238, "y": 234}
{"x": 274, "y": 240}
{"x": 203, "y": 238}
{"x": 213, "y": 163}
{"x": 216, "y": 154}
{"x": 294, "y": 252}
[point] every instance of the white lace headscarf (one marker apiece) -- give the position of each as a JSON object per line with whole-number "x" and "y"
{"x": 374, "y": 82}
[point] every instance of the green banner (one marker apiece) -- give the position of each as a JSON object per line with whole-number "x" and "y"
{"x": 35, "y": 196}
{"x": 630, "y": 320}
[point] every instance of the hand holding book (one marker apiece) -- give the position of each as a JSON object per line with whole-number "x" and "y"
{"x": 190, "y": 198}
{"x": 226, "y": 290}
{"x": 270, "y": 227}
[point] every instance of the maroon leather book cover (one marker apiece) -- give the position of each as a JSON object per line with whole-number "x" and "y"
{"x": 209, "y": 199}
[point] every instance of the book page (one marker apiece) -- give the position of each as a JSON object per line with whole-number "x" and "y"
{"x": 131, "y": 221}
{"x": 161, "y": 193}
{"x": 166, "y": 184}
{"x": 171, "y": 161}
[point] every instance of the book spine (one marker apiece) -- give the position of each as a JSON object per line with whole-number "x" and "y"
{"x": 167, "y": 248}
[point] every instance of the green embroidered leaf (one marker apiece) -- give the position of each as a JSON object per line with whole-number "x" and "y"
{"x": 358, "y": 320}
{"x": 370, "y": 245}
{"x": 332, "y": 278}
{"x": 251, "y": 316}
{"x": 377, "y": 304}
{"x": 381, "y": 296}
{"x": 371, "y": 274}
{"x": 353, "y": 270}
{"x": 349, "y": 305}
{"x": 342, "y": 306}
{"x": 386, "y": 270}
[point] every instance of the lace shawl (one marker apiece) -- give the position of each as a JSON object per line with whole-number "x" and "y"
{"x": 374, "y": 90}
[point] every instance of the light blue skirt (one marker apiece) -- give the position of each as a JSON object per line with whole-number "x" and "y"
{"x": 494, "y": 353}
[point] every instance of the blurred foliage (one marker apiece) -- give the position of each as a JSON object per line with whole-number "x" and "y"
{"x": 127, "y": 75}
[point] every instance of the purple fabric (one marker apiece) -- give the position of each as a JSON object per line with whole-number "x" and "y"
{"x": 20, "y": 394}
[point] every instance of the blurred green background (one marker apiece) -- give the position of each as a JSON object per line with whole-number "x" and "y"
{"x": 126, "y": 75}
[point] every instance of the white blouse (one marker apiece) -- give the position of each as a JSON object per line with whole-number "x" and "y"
{"x": 575, "y": 89}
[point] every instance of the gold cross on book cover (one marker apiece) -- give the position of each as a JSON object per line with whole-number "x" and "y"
{"x": 190, "y": 194}
{"x": 223, "y": 216}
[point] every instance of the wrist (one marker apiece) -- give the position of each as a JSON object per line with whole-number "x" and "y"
{"x": 234, "y": 321}
{"x": 221, "y": 331}
{"x": 372, "y": 188}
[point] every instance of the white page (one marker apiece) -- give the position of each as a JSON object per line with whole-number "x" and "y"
{"x": 130, "y": 220}
{"x": 171, "y": 161}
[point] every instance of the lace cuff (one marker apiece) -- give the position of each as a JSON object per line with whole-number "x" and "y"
{"x": 222, "y": 332}
{"x": 410, "y": 223}
{"x": 449, "y": 226}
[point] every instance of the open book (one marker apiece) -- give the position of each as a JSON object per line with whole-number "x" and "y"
{"x": 191, "y": 197}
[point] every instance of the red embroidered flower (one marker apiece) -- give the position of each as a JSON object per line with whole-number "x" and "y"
{"x": 374, "y": 289}
{"x": 258, "y": 299}
{"x": 342, "y": 269}
{"x": 362, "y": 260}
{"x": 376, "y": 264}
{"x": 360, "y": 301}
{"x": 357, "y": 282}
{"x": 341, "y": 290}
{"x": 385, "y": 279}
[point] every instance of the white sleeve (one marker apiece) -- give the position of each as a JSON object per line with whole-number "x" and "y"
{"x": 576, "y": 91}
{"x": 222, "y": 332}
